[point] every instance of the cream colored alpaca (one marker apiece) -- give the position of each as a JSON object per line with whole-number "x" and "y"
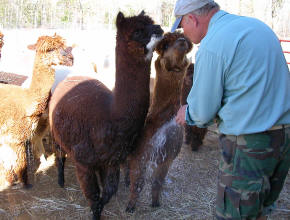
{"x": 20, "y": 108}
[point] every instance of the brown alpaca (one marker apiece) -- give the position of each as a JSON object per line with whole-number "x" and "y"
{"x": 193, "y": 135}
{"x": 21, "y": 108}
{"x": 96, "y": 127}
{"x": 161, "y": 138}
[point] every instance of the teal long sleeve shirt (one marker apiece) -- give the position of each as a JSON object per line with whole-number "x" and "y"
{"x": 240, "y": 77}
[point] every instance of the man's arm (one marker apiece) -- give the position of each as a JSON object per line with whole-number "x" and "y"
{"x": 205, "y": 97}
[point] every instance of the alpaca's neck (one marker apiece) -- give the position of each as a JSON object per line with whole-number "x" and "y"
{"x": 42, "y": 79}
{"x": 131, "y": 93}
{"x": 166, "y": 95}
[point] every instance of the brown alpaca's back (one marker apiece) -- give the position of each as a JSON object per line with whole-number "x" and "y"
{"x": 88, "y": 102}
{"x": 162, "y": 137}
{"x": 98, "y": 128}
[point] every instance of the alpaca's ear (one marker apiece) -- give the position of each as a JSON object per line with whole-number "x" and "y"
{"x": 159, "y": 48}
{"x": 68, "y": 50}
{"x": 120, "y": 19}
{"x": 32, "y": 47}
{"x": 142, "y": 13}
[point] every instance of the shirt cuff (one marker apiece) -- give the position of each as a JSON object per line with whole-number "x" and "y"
{"x": 188, "y": 119}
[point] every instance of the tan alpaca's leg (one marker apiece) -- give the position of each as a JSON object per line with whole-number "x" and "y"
{"x": 10, "y": 177}
{"x": 38, "y": 148}
{"x": 21, "y": 168}
{"x": 41, "y": 130}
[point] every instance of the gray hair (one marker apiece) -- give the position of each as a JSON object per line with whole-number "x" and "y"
{"x": 206, "y": 9}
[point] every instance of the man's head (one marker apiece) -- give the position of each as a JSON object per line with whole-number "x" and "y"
{"x": 193, "y": 16}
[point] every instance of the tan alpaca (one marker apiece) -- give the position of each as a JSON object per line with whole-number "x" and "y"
{"x": 21, "y": 108}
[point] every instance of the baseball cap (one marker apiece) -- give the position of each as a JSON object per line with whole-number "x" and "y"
{"x": 183, "y": 7}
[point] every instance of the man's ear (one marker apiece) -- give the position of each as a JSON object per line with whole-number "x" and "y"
{"x": 192, "y": 19}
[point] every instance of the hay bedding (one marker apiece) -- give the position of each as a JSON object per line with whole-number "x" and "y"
{"x": 189, "y": 193}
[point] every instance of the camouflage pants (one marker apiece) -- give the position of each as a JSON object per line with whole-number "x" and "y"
{"x": 252, "y": 172}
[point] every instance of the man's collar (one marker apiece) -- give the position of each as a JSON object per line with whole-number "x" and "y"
{"x": 216, "y": 16}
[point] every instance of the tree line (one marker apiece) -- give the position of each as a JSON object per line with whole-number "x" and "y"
{"x": 89, "y": 14}
{"x": 81, "y": 14}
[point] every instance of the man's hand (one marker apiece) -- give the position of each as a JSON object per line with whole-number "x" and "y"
{"x": 180, "y": 117}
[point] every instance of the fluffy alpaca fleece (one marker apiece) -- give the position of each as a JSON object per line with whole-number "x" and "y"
{"x": 21, "y": 108}
{"x": 193, "y": 135}
{"x": 96, "y": 127}
{"x": 162, "y": 137}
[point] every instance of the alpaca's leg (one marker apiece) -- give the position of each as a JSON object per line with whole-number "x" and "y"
{"x": 195, "y": 142}
{"x": 187, "y": 134}
{"x": 38, "y": 151}
{"x": 126, "y": 171}
{"x": 60, "y": 162}
{"x": 10, "y": 177}
{"x": 38, "y": 148}
{"x": 22, "y": 166}
{"x": 41, "y": 130}
{"x": 110, "y": 179}
{"x": 23, "y": 177}
{"x": 196, "y": 136}
{"x": 158, "y": 178}
{"x": 137, "y": 172}
{"x": 89, "y": 184}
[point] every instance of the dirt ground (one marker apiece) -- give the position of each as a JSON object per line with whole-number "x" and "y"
{"x": 189, "y": 193}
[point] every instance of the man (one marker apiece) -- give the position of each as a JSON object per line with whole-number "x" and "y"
{"x": 241, "y": 80}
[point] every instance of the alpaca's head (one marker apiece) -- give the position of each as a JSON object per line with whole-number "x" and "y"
{"x": 1, "y": 42}
{"x": 53, "y": 51}
{"x": 172, "y": 50}
{"x": 138, "y": 34}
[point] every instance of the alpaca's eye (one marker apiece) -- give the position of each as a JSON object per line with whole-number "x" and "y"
{"x": 137, "y": 33}
{"x": 49, "y": 50}
{"x": 165, "y": 46}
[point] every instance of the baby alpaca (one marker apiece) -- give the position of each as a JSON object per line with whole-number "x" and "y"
{"x": 162, "y": 137}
